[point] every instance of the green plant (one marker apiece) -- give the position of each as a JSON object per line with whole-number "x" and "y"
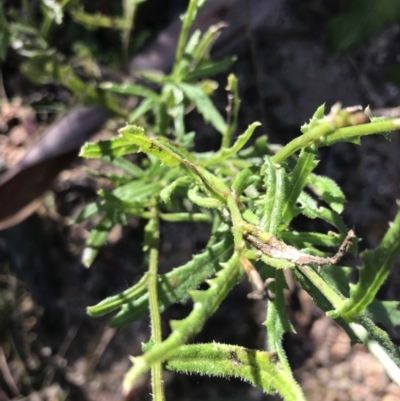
{"x": 29, "y": 29}
{"x": 250, "y": 195}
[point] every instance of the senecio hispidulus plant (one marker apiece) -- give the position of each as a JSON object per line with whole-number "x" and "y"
{"x": 249, "y": 195}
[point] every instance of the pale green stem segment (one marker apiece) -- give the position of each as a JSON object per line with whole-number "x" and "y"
{"x": 237, "y": 223}
{"x": 234, "y": 105}
{"x": 303, "y": 141}
{"x": 376, "y": 349}
{"x": 351, "y": 133}
{"x": 153, "y": 239}
{"x": 324, "y": 134}
{"x": 333, "y": 297}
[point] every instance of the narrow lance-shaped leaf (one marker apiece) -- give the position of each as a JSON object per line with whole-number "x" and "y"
{"x": 277, "y": 322}
{"x": 138, "y": 191}
{"x": 98, "y": 237}
{"x": 210, "y": 68}
{"x": 131, "y": 89}
{"x": 226, "y": 153}
{"x": 166, "y": 193}
{"x": 374, "y": 272}
{"x": 261, "y": 369}
{"x": 201, "y": 51}
{"x": 386, "y": 313}
{"x": 145, "y": 106}
{"x": 296, "y": 182}
{"x": 129, "y": 207}
{"x": 136, "y": 136}
{"x": 309, "y": 207}
{"x": 204, "y": 105}
{"x": 274, "y": 182}
{"x": 112, "y": 148}
{"x": 124, "y": 164}
{"x": 175, "y": 286}
{"x": 303, "y": 239}
{"x": 195, "y": 196}
{"x": 328, "y": 191}
{"x": 179, "y": 113}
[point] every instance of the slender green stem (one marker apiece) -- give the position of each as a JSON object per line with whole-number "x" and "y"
{"x": 234, "y": 105}
{"x": 334, "y": 298}
{"x": 326, "y": 130}
{"x": 303, "y": 141}
{"x": 153, "y": 230}
{"x": 193, "y": 217}
{"x": 353, "y": 132}
{"x": 237, "y": 223}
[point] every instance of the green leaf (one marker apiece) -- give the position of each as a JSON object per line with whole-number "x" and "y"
{"x": 277, "y": 322}
{"x": 274, "y": 182}
{"x": 53, "y": 11}
{"x": 87, "y": 212}
{"x": 296, "y": 181}
{"x": 138, "y": 191}
{"x": 173, "y": 287}
{"x": 201, "y": 200}
{"x": 305, "y": 239}
{"x": 243, "y": 180}
{"x": 373, "y": 273}
{"x": 124, "y": 164}
{"x": 166, "y": 193}
{"x": 226, "y": 153}
{"x": 328, "y": 191}
{"x": 135, "y": 208}
{"x": 117, "y": 301}
{"x": 203, "y": 105}
{"x": 145, "y": 106}
{"x": 201, "y": 52}
{"x": 131, "y": 89}
{"x": 192, "y": 44}
{"x": 178, "y": 112}
{"x": 318, "y": 115}
{"x": 136, "y": 136}
{"x": 209, "y": 68}
{"x": 98, "y": 237}
{"x": 97, "y": 20}
{"x": 113, "y": 148}
{"x": 261, "y": 369}
{"x": 188, "y": 20}
{"x": 386, "y": 313}
{"x": 309, "y": 207}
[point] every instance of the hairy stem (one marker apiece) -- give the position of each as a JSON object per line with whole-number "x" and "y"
{"x": 153, "y": 232}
